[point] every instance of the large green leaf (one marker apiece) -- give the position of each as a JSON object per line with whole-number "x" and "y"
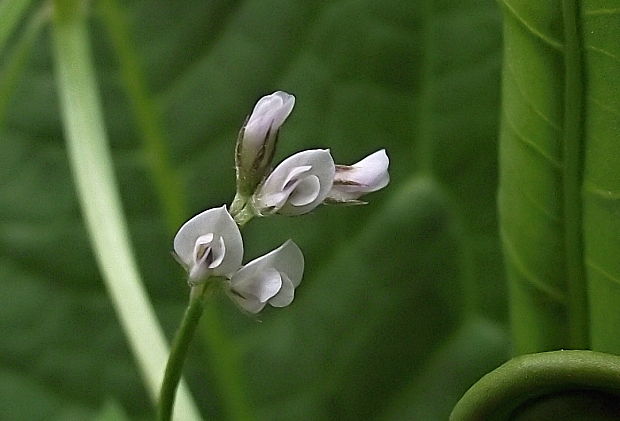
{"x": 601, "y": 181}
{"x": 387, "y": 285}
{"x": 559, "y": 175}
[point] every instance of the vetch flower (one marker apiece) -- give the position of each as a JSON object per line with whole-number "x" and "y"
{"x": 271, "y": 279}
{"x": 257, "y": 139}
{"x": 297, "y": 185}
{"x": 352, "y": 181}
{"x": 209, "y": 244}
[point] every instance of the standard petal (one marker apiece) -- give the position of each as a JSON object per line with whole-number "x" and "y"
{"x": 372, "y": 171}
{"x": 293, "y": 178}
{"x": 353, "y": 181}
{"x": 229, "y": 245}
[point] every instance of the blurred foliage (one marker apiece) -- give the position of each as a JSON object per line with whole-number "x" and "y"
{"x": 401, "y": 307}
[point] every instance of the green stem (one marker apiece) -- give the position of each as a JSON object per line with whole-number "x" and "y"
{"x": 528, "y": 378}
{"x": 177, "y": 357}
{"x": 13, "y": 66}
{"x": 573, "y": 157}
{"x": 11, "y": 12}
{"x": 172, "y": 200}
{"x": 91, "y": 162}
{"x": 167, "y": 184}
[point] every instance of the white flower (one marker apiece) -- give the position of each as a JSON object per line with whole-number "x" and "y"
{"x": 352, "y": 181}
{"x": 299, "y": 184}
{"x": 257, "y": 139}
{"x": 209, "y": 244}
{"x": 271, "y": 279}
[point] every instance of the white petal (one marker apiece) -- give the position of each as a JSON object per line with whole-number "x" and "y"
{"x": 287, "y": 259}
{"x": 269, "y": 113}
{"x": 305, "y": 192}
{"x": 272, "y": 277}
{"x": 370, "y": 172}
{"x": 228, "y": 246}
{"x": 286, "y": 294}
{"x": 262, "y": 284}
{"x": 368, "y": 175}
{"x": 250, "y": 304}
{"x": 290, "y": 175}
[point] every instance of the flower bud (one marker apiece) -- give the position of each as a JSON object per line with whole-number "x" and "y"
{"x": 299, "y": 184}
{"x": 352, "y": 181}
{"x": 257, "y": 139}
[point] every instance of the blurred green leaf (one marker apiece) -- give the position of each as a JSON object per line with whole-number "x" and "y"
{"x": 385, "y": 288}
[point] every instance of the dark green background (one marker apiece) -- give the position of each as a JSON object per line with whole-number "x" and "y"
{"x": 403, "y": 300}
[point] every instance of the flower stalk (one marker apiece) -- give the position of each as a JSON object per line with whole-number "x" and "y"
{"x": 178, "y": 352}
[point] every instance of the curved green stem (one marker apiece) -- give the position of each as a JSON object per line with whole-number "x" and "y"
{"x": 529, "y": 377}
{"x": 178, "y": 354}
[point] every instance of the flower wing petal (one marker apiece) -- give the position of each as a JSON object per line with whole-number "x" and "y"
{"x": 257, "y": 280}
{"x": 286, "y": 294}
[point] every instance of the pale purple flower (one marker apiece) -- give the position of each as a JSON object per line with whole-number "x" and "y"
{"x": 257, "y": 139}
{"x": 209, "y": 244}
{"x": 271, "y": 278}
{"x": 297, "y": 185}
{"x": 353, "y": 181}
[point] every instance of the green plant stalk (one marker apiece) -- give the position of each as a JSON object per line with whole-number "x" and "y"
{"x": 91, "y": 162}
{"x": 572, "y": 179}
{"x": 167, "y": 184}
{"x": 11, "y": 13}
{"x": 226, "y": 366}
{"x": 529, "y": 377}
{"x": 13, "y": 67}
{"x": 178, "y": 354}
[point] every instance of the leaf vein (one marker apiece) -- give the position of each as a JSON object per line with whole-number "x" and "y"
{"x": 603, "y": 52}
{"x": 602, "y": 271}
{"x": 603, "y": 105}
{"x": 602, "y": 11}
{"x": 531, "y": 144}
{"x": 527, "y": 100}
{"x": 550, "y": 41}
{"x": 531, "y": 279}
{"x": 591, "y": 188}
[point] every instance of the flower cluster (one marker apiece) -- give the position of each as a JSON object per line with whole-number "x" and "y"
{"x": 210, "y": 246}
